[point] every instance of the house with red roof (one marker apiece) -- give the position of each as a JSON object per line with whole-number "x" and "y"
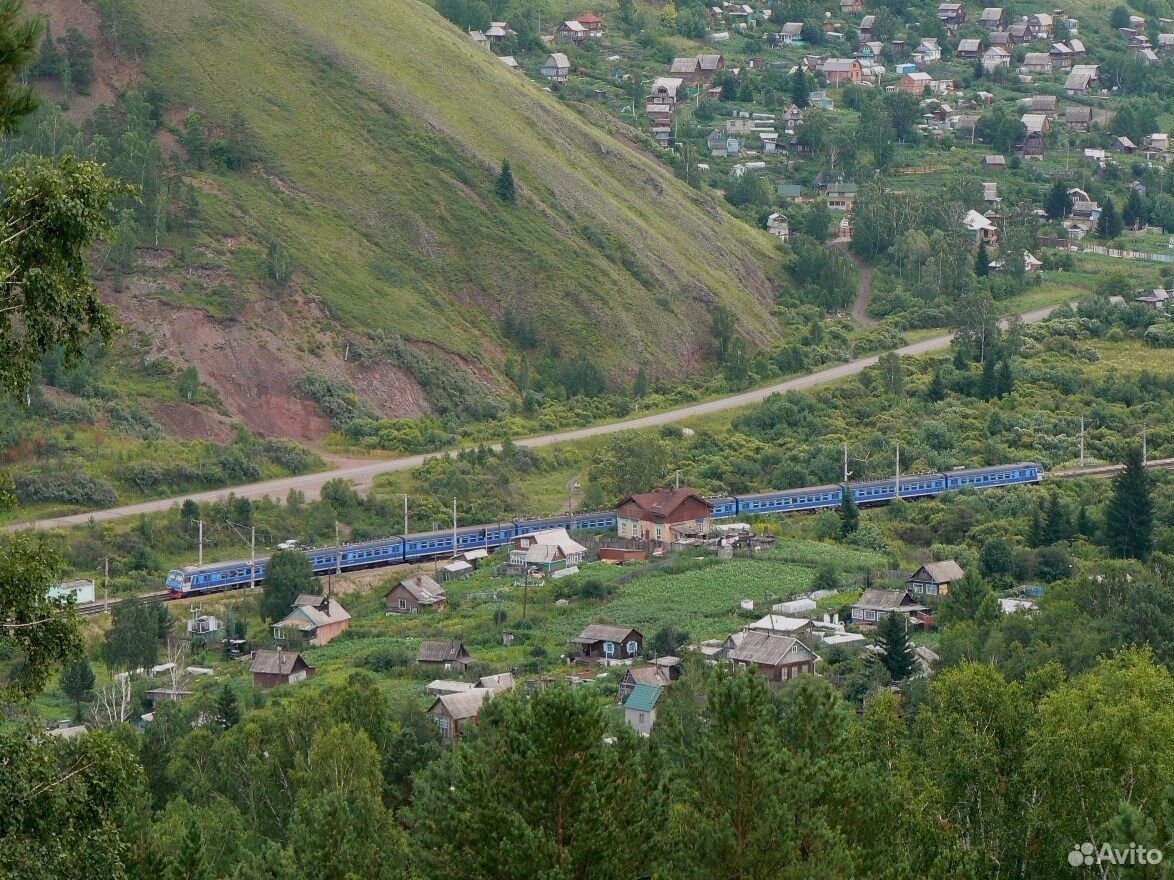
{"x": 592, "y": 22}
{"x": 657, "y": 516}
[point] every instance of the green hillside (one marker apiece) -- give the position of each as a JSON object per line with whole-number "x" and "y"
{"x": 381, "y": 130}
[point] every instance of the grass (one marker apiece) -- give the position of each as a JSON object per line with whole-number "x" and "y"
{"x": 383, "y": 130}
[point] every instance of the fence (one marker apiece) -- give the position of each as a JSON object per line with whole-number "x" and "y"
{"x": 1124, "y": 254}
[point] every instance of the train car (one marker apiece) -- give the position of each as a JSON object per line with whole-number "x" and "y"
{"x": 1028, "y": 472}
{"x": 811, "y": 498}
{"x": 867, "y": 493}
{"x": 598, "y": 519}
{"x": 922, "y": 485}
{"x": 194, "y": 580}
{"x": 426, "y": 545}
{"x": 724, "y": 506}
{"x": 351, "y": 557}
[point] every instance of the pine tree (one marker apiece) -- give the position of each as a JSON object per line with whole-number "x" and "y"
{"x": 987, "y": 383}
{"x": 892, "y": 635}
{"x": 1134, "y": 214}
{"x": 228, "y": 710}
{"x": 190, "y": 859}
{"x": 1129, "y": 516}
{"x": 1055, "y": 525}
{"x": 1109, "y": 224}
{"x": 77, "y": 681}
{"x": 937, "y": 388}
{"x": 48, "y": 62}
{"x": 1004, "y": 379}
{"x": 640, "y": 386}
{"x": 506, "y": 191}
{"x": 982, "y": 261}
{"x": 849, "y": 514}
{"x": 1058, "y": 204}
{"x": 800, "y": 88}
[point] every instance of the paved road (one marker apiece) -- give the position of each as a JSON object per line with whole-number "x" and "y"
{"x": 864, "y": 287}
{"x": 362, "y": 474}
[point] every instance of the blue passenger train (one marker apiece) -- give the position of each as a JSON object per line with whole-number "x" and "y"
{"x": 215, "y": 577}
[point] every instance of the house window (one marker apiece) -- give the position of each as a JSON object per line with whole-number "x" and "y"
{"x": 609, "y": 648}
{"x": 640, "y": 717}
{"x": 631, "y": 647}
{"x": 403, "y": 603}
{"x": 659, "y": 531}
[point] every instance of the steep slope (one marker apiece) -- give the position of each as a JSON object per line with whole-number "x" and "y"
{"x": 380, "y": 129}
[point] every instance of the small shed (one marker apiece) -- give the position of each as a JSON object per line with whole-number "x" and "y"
{"x": 415, "y": 594}
{"x": 271, "y": 668}
{"x": 449, "y": 653}
{"x": 640, "y": 708}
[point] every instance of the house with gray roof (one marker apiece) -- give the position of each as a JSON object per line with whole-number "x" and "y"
{"x": 934, "y": 578}
{"x": 413, "y": 594}
{"x": 449, "y": 653}
{"x": 318, "y": 618}
{"x": 774, "y": 657}
{"x": 452, "y": 713}
{"x": 602, "y": 643}
{"x": 271, "y": 668}
{"x": 874, "y": 606}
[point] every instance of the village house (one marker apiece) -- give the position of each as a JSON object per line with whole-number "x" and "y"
{"x": 271, "y": 668}
{"x": 1062, "y": 56}
{"x": 1082, "y": 78}
{"x": 1036, "y": 62}
{"x": 864, "y": 31}
{"x": 479, "y": 38}
{"x": 592, "y": 22}
{"x": 934, "y": 579}
{"x": 841, "y": 70}
{"x": 778, "y": 226}
{"x": 782, "y": 625}
{"x": 1000, "y": 39}
{"x": 968, "y": 49}
{"x": 1124, "y": 145}
{"x": 1030, "y": 264}
{"x": 510, "y": 61}
{"x": 651, "y": 516}
{"x": 927, "y": 52}
{"x": 1040, "y": 25}
{"x": 951, "y": 15}
{"x": 1036, "y": 122}
{"x": 557, "y": 68}
{"x": 841, "y": 196}
{"x": 994, "y": 163}
{"x": 688, "y": 70}
{"x": 496, "y": 684}
{"x": 979, "y": 226}
{"x": 448, "y": 653}
{"x": 990, "y": 195}
{"x": 414, "y": 594}
{"x": 548, "y": 550}
{"x": 776, "y": 658}
{"x": 1166, "y": 44}
{"x": 851, "y": 7}
{"x": 600, "y": 643}
{"x": 652, "y": 674}
{"x": 995, "y": 58}
{"x": 452, "y": 713}
{"x": 1077, "y": 117}
{"x": 1019, "y": 33}
{"x": 640, "y": 708}
{"x": 571, "y": 32}
{"x": 1032, "y": 146}
{"x": 717, "y": 143}
{"x": 318, "y": 618}
{"x": 1078, "y": 50}
{"x": 711, "y": 65}
{"x": 792, "y": 117}
{"x": 914, "y": 83}
{"x": 499, "y": 31}
{"x": 1159, "y": 142}
{"x": 792, "y": 192}
{"x": 792, "y": 32}
{"x": 992, "y": 18}
{"x": 874, "y": 606}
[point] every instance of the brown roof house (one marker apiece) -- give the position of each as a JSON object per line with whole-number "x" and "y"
{"x": 318, "y": 618}
{"x": 842, "y": 70}
{"x": 934, "y": 578}
{"x": 415, "y": 594}
{"x": 600, "y": 643}
{"x": 776, "y": 658}
{"x": 271, "y": 668}
{"x": 454, "y": 712}
{"x": 449, "y": 653}
{"x": 651, "y": 516}
{"x": 874, "y": 606}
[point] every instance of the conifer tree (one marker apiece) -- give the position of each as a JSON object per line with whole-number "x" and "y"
{"x": 982, "y": 261}
{"x": 1134, "y": 213}
{"x": 48, "y": 61}
{"x": 506, "y": 191}
{"x": 1058, "y": 204}
{"x": 800, "y": 88}
{"x": 892, "y": 634}
{"x": 1109, "y": 224}
{"x": 849, "y": 514}
{"x": 77, "y": 681}
{"x": 1129, "y": 516}
{"x": 987, "y": 383}
{"x": 228, "y": 710}
{"x": 1004, "y": 379}
{"x": 937, "y": 388}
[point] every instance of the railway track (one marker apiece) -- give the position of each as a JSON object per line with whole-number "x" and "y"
{"x": 89, "y": 609}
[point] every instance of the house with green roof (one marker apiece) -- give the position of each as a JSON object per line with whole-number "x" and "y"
{"x": 640, "y": 708}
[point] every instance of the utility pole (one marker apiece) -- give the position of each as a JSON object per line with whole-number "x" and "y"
{"x": 405, "y": 513}
{"x": 337, "y": 551}
{"x": 1145, "y": 457}
{"x": 677, "y": 480}
{"x": 106, "y": 587}
{"x": 454, "y": 528}
{"x": 201, "y": 556}
{"x": 847, "y": 473}
{"x": 897, "y": 486}
{"x": 253, "y": 558}
{"x": 1082, "y": 441}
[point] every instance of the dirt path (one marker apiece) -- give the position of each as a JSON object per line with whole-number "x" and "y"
{"x": 363, "y": 472}
{"x": 864, "y": 290}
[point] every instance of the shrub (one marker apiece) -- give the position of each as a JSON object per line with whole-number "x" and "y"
{"x": 64, "y": 488}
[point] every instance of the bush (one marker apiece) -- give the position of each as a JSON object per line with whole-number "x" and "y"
{"x": 64, "y": 488}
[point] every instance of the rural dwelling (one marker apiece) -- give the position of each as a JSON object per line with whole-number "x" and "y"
{"x": 570, "y": 32}
{"x": 453, "y": 712}
{"x": 664, "y": 92}
{"x": 778, "y": 225}
{"x": 600, "y": 643}
{"x": 496, "y": 684}
{"x": 449, "y": 653}
{"x": 654, "y": 675}
{"x": 592, "y": 22}
{"x": 415, "y": 594}
{"x": 1082, "y": 78}
{"x": 841, "y": 196}
{"x": 1040, "y": 24}
{"x": 927, "y": 52}
{"x": 509, "y": 61}
{"x": 995, "y": 58}
{"x": 318, "y": 618}
{"x": 711, "y": 65}
{"x": 792, "y": 32}
{"x": 271, "y": 668}
{"x": 934, "y": 578}
{"x": 969, "y": 49}
{"x": 992, "y": 18}
{"x": 1124, "y": 145}
{"x": 548, "y": 550}
{"x": 842, "y": 70}
{"x": 951, "y": 14}
{"x": 995, "y": 163}
{"x": 1020, "y": 33}
{"x": 1046, "y": 105}
{"x": 1032, "y": 145}
{"x": 1078, "y": 118}
{"x": 781, "y": 625}
{"x": 847, "y": 7}
{"x": 1166, "y": 44}
{"x": 1030, "y": 264}
{"x": 686, "y": 69}
{"x": 479, "y": 38}
{"x": 914, "y": 83}
{"x": 983, "y": 230}
{"x": 1036, "y": 62}
{"x": 557, "y": 68}
{"x": 778, "y": 659}
{"x": 864, "y": 31}
{"x": 1062, "y": 56}
{"x": 499, "y": 31}
{"x": 651, "y": 515}
{"x": 640, "y": 708}
{"x": 875, "y": 605}
{"x": 1036, "y": 122}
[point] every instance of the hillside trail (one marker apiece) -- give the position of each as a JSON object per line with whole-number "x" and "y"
{"x": 863, "y": 289}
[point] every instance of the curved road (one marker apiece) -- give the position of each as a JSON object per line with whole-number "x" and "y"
{"x": 864, "y": 287}
{"x": 362, "y": 474}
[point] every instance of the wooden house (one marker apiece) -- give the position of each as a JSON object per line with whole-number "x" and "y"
{"x": 995, "y": 58}
{"x": 688, "y": 70}
{"x": 934, "y": 579}
{"x": 557, "y": 68}
{"x": 992, "y": 18}
{"x": 640, "y": 708}
{"x": 448, "y": 653}
{"x": 776, "y": 658}
{"x": 711, "y": 65}
{"x": 415, "y": 594}
{"x": 318, "y": 618}
{"x": 651, "y": 516}
{"x": 452, "y": 713}
{"x": 875, "y": 605}
{"x": 792, "y": 32}
{"x": 592, "y": 22}
{"x": 271, "y": 668}
{"x": 840, "y": 196}
{"x": 548, "y": 550}
{"x": 951, "y": 15}
{"x": 969, "y": 49}
{"x": 571, "y": 32}
{"x": 600, "y": 643}
{"x": 637, "y": 675}
{"x": 842, "y": 70}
